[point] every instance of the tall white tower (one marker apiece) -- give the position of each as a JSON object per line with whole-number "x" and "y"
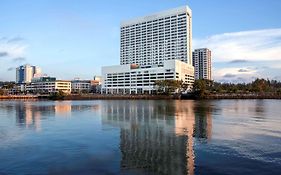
{"x": 152, "y": 39}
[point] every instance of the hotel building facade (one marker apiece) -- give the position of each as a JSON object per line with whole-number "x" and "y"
{"x": 132, "y": 79}
{"x": 152, "y": 46}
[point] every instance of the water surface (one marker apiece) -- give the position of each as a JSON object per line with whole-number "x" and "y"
{"x": 140, "y": 137}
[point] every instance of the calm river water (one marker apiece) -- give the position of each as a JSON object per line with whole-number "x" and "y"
{"x": 140, "y": 137}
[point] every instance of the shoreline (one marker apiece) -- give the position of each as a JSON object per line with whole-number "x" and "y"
{"x": 144, "y": 97}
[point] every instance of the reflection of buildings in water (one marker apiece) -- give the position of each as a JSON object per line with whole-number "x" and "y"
{"x": 30, "y": 114}
{"x": 93, "y": 108}
{"x": 203, "y": 121}
{"x": 66, "y": 108}
{"x": 27, "y": 116}
{"x": 184, "y": 125}
{"x": 156, "y": 136}
{"x": 259, "y": 108}
{"x": 62, "y": 108}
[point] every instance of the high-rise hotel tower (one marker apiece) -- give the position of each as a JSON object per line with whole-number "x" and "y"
{"x": 162, "y": 36}
{"x": 154, "y": 47}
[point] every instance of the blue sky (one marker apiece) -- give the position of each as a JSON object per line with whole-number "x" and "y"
{"x": 70, "y": 38}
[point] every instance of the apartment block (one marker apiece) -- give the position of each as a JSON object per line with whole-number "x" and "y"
{"x": 202, "y": 63}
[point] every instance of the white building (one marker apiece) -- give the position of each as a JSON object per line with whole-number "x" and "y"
{"x": 134, "y": 79}
{"x": 25, "y": 73}
{"x": 80, "y": 86}
{"x": 48, "y": 85}
{"x": 202, "y": 64}
{"x": 161, "y": 36}
{"x": 154, "y": 47}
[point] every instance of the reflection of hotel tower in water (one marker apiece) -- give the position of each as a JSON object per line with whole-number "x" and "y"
{"x": 156, "y": 136}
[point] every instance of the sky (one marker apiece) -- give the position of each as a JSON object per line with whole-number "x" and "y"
{"x": 70, "y": 39}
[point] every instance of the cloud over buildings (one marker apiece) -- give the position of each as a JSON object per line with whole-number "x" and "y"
{"x": 243, "y": 46}
{"x": 3, "y": 54}
{"x": 15, "y": 39}
{"x": 19, "y": 59}
{"x": 236, "y": 74}
{"x": 13, "y": 48}
{"x": 11, "y": 69}
{"x": 238, "y": 61}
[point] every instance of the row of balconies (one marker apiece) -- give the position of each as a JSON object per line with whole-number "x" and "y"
{"x": 156, "y": 33}
{"x": 159, "y": 28}
{"x": 155, "y": 51}
{"x": 150, "y": 31}
{"x": 149, "y": 56}
{"x": 180, "y": 36}
{"x": 150, "y": 52}
{"x": 155, "y": 24}
{"x": 150, "y": 47}
{"x": 155, "y": 44}
{"x": 138, "y": 74}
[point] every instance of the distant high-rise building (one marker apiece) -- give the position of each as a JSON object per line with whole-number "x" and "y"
{"x": 25, "y": 73}
{"x": 202, "y": 64}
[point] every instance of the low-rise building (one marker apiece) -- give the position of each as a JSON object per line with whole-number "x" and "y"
{"x": 96, "y": 84}
{"x": 135, "y": 79}
{"x": 45, "y": 85}
{"x": 78, "y": 86}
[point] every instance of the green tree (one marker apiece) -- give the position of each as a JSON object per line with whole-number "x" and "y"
{"x": 203, "y": 87}
{"x": 260, "y": 85}
{"x": 200, "y": 88}
{"x": 57, "y": 95}
{"x": 168, "y": 86}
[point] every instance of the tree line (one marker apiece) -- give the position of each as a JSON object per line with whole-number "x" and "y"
{"x": 261, "y": 86}
{"x": 5, "y": 86}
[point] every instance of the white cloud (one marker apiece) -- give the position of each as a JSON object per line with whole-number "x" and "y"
{"x": 246, "y": 45}
{"x": 12, "y": 49}
{"x": 235, "y": 74}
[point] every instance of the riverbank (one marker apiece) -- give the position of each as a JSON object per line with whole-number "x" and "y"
{"x": 91, "y": 97}
{"x": 233, "y": 96}
{"x": 243, "y": 96}
{"x": 7, "y": 97}
{"x": 144, "y": 97}
{"x": 118, "y": 97}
